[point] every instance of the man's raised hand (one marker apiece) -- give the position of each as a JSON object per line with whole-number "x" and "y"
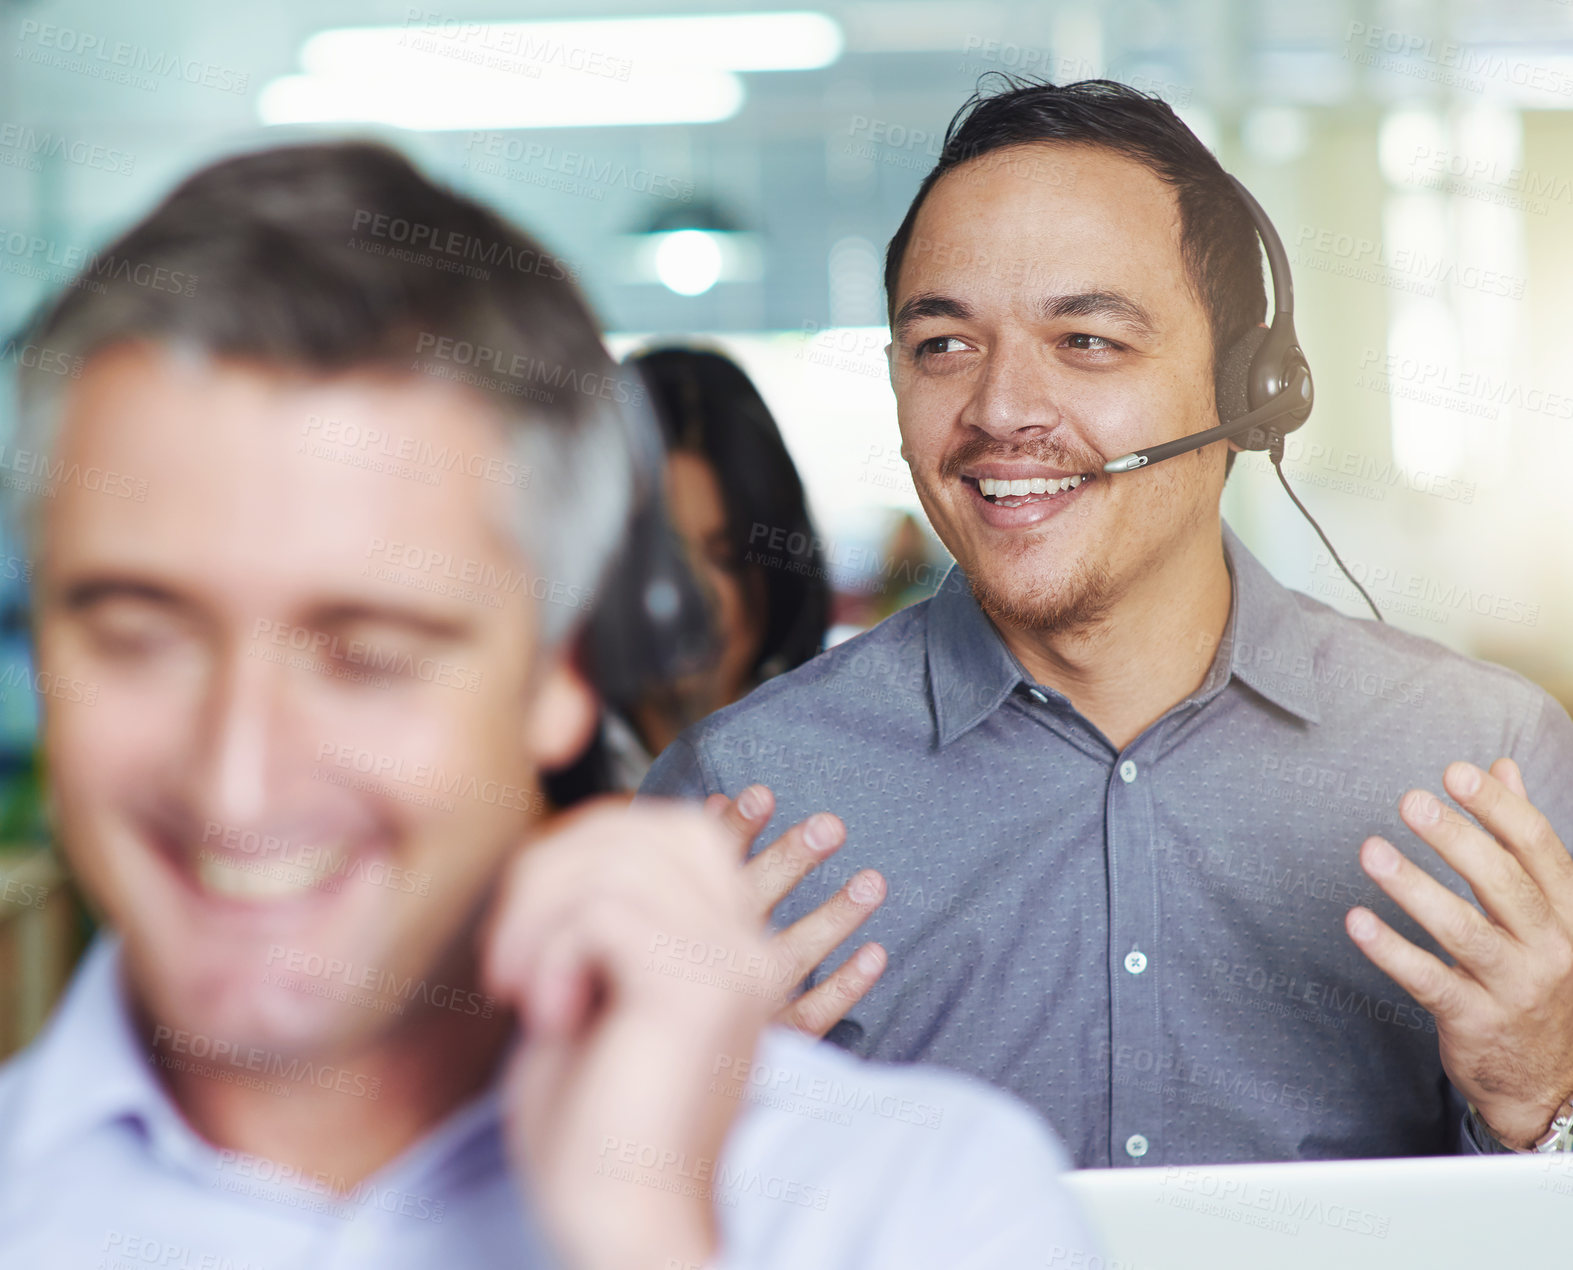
{"x": 773, "y": 873}
{"x": 628, "y": 945}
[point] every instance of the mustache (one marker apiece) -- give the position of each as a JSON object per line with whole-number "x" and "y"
{"x": 1049, "y": 452}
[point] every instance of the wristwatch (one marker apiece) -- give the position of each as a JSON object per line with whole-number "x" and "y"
{"x": 1557, "y": 1138}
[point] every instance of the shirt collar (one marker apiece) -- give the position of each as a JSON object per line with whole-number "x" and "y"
{"x": 1265, "y": 645}
{"x": 972, "y": 672}
{"x": 87, "y": 1067}
{"x": 90, "y": 1067}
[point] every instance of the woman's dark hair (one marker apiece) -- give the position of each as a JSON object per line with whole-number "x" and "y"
{"x": 1217, "y": 236}
{"x": 708, "y": 407}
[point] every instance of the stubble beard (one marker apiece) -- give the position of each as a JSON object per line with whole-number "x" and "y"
{"x": 1077, "y": 600}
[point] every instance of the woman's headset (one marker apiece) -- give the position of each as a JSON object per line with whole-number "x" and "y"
{"x": 651, "y": 623}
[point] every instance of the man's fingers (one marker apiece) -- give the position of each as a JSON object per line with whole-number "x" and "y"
{"x": 560, "y": 987}
{"x": 1468, "y": 937}
{"x": 1518, "y": 825}
{"x": 1436, "y": 987}
{"x": 1506, "y": 771}
{"x": 807, "y": 942}
{"x": 1512, "y": 898}
{"x": 662, "y": 859}
{"x": 774, "y": 872}
{"x": 826, "y": 1004}
{"x": 744, "y": 816}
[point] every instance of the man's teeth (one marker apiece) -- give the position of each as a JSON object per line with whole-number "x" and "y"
{"x": 991, "y": 488}
{"x": 263, "y": 879}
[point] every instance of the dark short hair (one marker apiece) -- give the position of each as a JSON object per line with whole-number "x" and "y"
{"x": 1218, "y": 241}
{"x": 709, "y": 407}
{"x": 335, "y": 257}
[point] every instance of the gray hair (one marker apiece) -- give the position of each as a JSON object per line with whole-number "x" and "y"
{"x": 336, "y": 257}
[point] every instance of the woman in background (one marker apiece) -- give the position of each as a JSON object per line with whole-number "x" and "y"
{"x": 731, "y": 490}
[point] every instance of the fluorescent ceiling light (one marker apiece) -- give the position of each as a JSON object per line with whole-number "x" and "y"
{"x": 491, "y": 100}
{"x": 439, "y": 74}
{"x": 728, "y": 42}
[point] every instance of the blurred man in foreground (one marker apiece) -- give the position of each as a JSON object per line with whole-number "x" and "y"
{"x": 323, "y": 578}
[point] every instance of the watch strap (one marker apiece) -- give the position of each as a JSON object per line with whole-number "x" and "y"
{"x": 1558, "y": 1137}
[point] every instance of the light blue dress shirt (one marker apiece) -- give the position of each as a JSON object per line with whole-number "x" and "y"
{"x": 833, "y": 1163}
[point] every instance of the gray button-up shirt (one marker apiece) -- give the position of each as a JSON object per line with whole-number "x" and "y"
{"x": 1145, "y": 944}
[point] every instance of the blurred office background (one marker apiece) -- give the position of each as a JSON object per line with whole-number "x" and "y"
{"x": 732, "y": 172}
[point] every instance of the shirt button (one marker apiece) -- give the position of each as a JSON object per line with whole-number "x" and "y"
{"x": 1135, "y": 961}
{"x": 1136, "y": 1146}
{"x": 1037, "y": 696}
{"x": 1127, "y": 771}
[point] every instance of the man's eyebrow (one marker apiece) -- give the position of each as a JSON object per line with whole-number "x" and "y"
{"x": 927, "y": 304}
{"x": 333, "y": 615}
{"x": 1105, "y": 304}
{"x": 89, "y": 591}
{"x": 351, "y": 613}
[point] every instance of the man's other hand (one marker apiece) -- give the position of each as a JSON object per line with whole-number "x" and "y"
{"x": 773, "y": 873}
{"x": 1504, "y": 1009}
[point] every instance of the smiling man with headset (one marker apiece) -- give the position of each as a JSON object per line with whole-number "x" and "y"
{"x": 1128, "y": 790}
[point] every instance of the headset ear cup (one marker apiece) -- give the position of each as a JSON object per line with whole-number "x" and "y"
{"x": 652, "y": 622}
{"x": 1232, "y": 382}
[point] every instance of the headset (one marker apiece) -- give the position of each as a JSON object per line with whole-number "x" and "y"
{"x": 651, "y": 622}
{"x": 650, "y": 625}
{"x": 1262, "y": 386}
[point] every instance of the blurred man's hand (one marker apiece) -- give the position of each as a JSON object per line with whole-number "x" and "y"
{"x": 633, "y": 953}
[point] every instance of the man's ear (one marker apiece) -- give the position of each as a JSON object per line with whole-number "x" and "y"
{"x": 562, "y": 717}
